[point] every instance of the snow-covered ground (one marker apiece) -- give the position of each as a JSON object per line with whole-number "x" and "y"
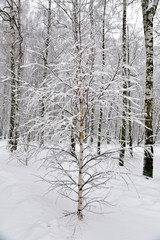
{"x": 28, "y": 213}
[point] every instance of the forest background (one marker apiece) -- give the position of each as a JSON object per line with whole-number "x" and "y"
{"x": 80, "y": 84}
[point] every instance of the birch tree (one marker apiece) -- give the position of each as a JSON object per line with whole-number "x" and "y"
{"x": 19, "y": 63}
{"x": 72, "y": 90}
{"x": 149, "y": 10}
{"x": 124, "y": 75}
{"x": 13, "y": 131}
{"x": 12, "y": 13}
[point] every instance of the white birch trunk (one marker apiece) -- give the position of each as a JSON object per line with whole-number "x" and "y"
{"x": 12, "y": 129}
{"x": 148, "y": 17}
{"x": 124, "y": 75}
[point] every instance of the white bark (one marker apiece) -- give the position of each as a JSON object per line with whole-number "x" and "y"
{"x": 148, "y": 17}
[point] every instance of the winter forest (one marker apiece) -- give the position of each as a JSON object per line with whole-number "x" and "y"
{"x": 79, "y": 119}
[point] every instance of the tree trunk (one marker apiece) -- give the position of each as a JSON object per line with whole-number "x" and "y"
{"x": 129, "y": 101}
{"x": 73, "y": 139}
{"x": 81, "y": 157}
{"x": 80, "y": 104}
{"x": 103, "y": 65}
{"x": 12, "y": 131}
{"x": 124, "y": 75}
{"x": 92, "y": 60}
{"x": 19, "y": 69}
{"x": 149, "y": 10}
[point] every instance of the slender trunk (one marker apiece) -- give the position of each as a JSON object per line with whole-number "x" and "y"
{"x": 129, "y": 101}
{"x": 80, "y": 95}
{"x": 148, "y": 17}
{"x": 124, "y": 74}
{"x": 103, "y": 65}
{"x": 116, "y": 132}
{"x": 76, "y": 37}
{"x": 99, "y": 131}
{"x": 73, "y": 140}
{"x": 12, "y": 131}
{"x": 89, "y": 123}
{"x": 86, "y": 127}
{"x": 81, "y": 157}
{"x": 130, "y": 130}
{"x": 92, "y": 59}
{"x": 19, "y": 69}
{"x": 92, "y": 124}
{"x": 108, "y": 127}
{"x": 5, "y": 112}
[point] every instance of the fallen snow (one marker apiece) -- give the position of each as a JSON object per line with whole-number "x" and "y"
{"x": 28, "y": 213}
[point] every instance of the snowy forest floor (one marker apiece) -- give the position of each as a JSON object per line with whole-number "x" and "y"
{"x": 27, "y": 212}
